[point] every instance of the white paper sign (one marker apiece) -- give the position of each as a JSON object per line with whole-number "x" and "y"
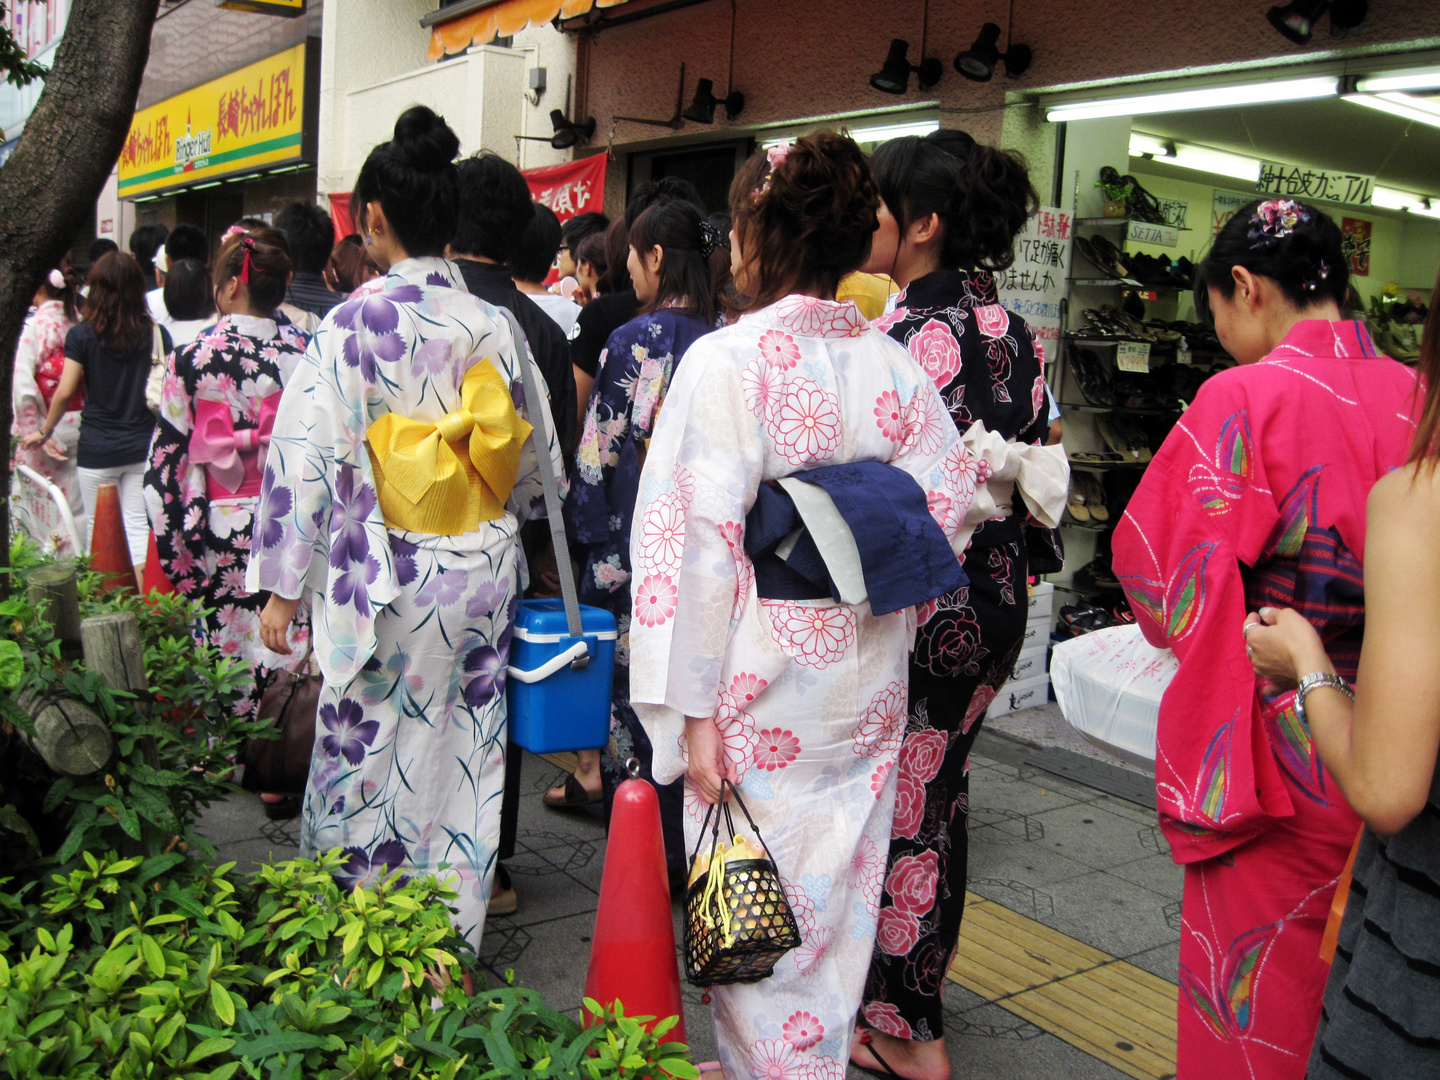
{"x": 1035, "y": 285}
{"x": 1299, "y": 182}
{"x": 1142, "y": 232}
{"x": 1133, "y": 356}
{"x": 1223, "y": 207}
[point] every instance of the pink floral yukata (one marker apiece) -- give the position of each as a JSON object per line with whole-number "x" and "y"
{"x": 217, "y": 408}
{"x": 1258, "y": 498}
{"x": 809, "y": 695}
{"x": 39, "y": 360}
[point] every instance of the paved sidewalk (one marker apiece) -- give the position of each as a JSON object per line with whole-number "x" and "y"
{"x": 1048, "y": 853}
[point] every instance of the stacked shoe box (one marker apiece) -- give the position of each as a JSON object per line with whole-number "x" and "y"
{"x": 1029, "y": 684}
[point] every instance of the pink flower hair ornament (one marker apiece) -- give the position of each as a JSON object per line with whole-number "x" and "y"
{"x": 776, "y": 156}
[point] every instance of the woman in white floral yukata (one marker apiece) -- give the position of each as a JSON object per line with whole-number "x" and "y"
{"x": 39, "y": 360}
{"x": 799, "y": 701}
{"x": 397, "y": 468}
{"x": 217, "y": 408}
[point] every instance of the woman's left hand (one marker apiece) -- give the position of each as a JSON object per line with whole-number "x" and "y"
{"x": 1283, "y": 646}
{"x": 275, "y": 621}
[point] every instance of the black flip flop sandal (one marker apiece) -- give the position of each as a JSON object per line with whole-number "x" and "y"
{"x": 575, "y": 796}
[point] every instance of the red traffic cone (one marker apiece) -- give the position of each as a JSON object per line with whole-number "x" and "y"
{"x": 632, "y": 957}
{"x": 155, "y": 579}
{"x": 109, "y": 550}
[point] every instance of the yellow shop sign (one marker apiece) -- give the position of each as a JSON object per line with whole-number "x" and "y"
{"x": 249, "y": 119}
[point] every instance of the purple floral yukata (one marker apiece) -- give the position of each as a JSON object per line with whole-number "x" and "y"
{"x": 412, "y": 630}
{"x": 202, "y": 534}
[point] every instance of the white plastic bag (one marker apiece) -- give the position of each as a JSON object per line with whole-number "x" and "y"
{"x": 1109, "y": 684}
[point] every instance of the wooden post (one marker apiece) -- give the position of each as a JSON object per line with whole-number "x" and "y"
{"x": 113, "y": 651}
{"x": 69, "y": 737}
{"x": 53, "y": 587}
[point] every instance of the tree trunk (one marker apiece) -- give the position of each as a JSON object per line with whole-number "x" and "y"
{"x": 71, "y": 142}
{"x": 69, "y": 737}
{"x": 57, "y": 589}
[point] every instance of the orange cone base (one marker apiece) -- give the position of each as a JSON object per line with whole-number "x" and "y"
{"x": 632, "y": 956}
{"x": 155, "y": 579}
{"x": 109, "y": 551}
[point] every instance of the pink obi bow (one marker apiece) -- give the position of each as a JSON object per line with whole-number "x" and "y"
{"x": 232, "y": 459}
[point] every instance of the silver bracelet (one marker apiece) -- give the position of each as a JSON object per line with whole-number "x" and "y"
{"x": 1310, "y": 682}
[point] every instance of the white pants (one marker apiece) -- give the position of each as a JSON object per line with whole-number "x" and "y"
{"x": 130, "y": 480}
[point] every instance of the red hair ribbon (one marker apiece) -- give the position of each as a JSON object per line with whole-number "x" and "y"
{"x": 249, "y": 246}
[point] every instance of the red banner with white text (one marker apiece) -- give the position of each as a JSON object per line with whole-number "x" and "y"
{"x": 570, "y": 188}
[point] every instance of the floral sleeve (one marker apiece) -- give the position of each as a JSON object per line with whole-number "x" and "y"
{"x": 27, "y": 404}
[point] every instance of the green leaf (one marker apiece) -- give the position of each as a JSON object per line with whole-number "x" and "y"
{"x": 154, "y": 956}
{"x": 224, "y": 1006}
{"x": 206, "y": 1047}
{"x": 280, "y": 1042}
{"x": 12, "y": 664}
{"x": 678, "y": 1068}
{"x": 224, "y": 1072}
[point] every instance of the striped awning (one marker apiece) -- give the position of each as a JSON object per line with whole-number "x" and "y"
{"x": 501, "y": 19}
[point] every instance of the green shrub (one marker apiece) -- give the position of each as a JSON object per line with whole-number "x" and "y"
{"x": 124, "y": 955}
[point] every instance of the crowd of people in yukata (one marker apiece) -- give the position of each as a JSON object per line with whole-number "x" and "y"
{"x": 335, "y": 457}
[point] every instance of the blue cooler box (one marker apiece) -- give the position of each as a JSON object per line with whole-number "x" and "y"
{"x": 553, "y": 705}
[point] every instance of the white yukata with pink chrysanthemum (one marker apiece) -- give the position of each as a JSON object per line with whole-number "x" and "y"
{"x": 809, "y": 695}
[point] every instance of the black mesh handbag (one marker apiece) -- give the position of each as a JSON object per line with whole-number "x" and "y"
{"x": 738, "y": 923}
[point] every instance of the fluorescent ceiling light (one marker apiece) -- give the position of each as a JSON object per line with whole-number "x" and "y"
{"x": 1391, "y": 199}
{"x": 1405, "y": 106}
{"x": 869, "y": 134}
{"x": 1142, "y": 145}
{"x": 1214, "y": 97}
{"x": 1199, "y": 158}
{"x": 1413, "y": 79}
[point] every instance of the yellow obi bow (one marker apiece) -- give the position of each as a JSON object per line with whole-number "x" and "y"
{"x": 428, "y": 480}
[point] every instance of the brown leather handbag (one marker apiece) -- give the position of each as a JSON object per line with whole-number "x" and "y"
{"x": 281, "y": 766}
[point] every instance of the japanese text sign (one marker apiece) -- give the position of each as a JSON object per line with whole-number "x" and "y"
{"x": 570, "y": 188}
{"x": 248, "y": 119}
{"x": 1298, "y": 182}
{"x": 1035, "y": 285}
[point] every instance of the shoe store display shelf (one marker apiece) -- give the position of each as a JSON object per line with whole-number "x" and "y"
{"x": 1131, "y": 283}
{"x": 1128, "y": 410}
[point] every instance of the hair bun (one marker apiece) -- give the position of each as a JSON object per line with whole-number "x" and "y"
{"x": 423, "y": 140}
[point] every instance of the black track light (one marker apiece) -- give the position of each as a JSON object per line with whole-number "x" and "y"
{"x": 569, "y": 132}
{"x": 894, "y": 77}
{"x": 1346, "y": 15}
{"x": 702, "y": 108}
{"x": 977, "y": 63}
{"x": 1297, "y": 20}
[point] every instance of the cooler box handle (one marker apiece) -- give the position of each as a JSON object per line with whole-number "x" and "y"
{"x": 570, "y": 657}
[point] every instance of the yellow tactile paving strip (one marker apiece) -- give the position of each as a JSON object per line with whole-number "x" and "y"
{"x": 1112, "y": 1010}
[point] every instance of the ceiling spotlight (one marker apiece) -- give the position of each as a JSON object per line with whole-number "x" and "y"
{"x": 569, "y": 132}
{"x": 894, "y": 77}
{"x": 1346, "y": 15}
{"x": 1297, "y": 20}
{"x": 702, "y": 109}
{"x": 978, "y": 62}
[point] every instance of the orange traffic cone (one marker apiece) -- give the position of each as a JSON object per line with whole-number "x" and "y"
{"x": 632, "y": 958}
{"x": 155, "y": 579}
{"x": 109, "y": 550}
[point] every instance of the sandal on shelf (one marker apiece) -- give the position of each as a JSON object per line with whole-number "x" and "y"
{"x": 1107, "y": 257}
{"x": 573, "y": 796}
{"x": 1096, "y": 574}
{"x": 1075, "y": 500}
{"x": 1123, "y": 438}
{"x": 1094, "y": 498}
{"x": 1092, "y": 377}
{"x": 1143, "y": 205}
{"x": 1096, "y": 457}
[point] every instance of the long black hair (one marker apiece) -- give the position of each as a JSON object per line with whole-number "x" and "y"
{"x": 1291, "y": 243}
{"x": 678, "y": 229}
{"x": 413, "y": 179}
{"x": 982, "y": 195}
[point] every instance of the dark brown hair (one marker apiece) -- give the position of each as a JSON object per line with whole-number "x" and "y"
{"x": 615, "y": 276}
{"x": 1427, "y": 431}
{"x": 115, "y": 307}
{"x": 348, "y": 260}
{"x": 676, "y": 228}
{"x": 592, "y": 250}
{"x": 982, "y": 195}
{"x": 269, "y": 270}
{"x": 809, "y": 221}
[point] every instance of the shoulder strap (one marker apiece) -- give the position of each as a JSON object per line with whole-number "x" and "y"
{"x": 538, "y": 413}
{"x": 157, "y": 348}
